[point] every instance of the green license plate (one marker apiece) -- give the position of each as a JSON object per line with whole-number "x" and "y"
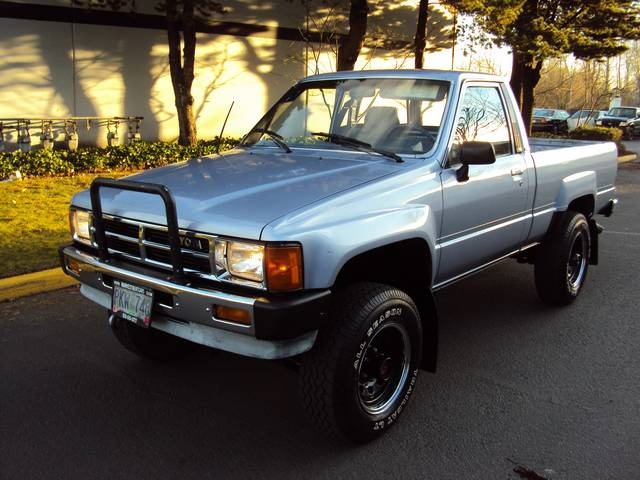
{"x": 132, "y": 302}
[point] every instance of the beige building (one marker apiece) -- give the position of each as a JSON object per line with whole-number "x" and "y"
{"x": 60, "y": 59}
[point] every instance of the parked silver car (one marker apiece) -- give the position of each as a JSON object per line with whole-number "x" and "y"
{"x": 585, "y": 118}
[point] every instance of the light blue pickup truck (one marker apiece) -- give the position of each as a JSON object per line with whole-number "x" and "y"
{"x": 323, "y": 236}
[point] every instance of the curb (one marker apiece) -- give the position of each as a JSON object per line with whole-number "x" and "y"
{"x": 627, "y": 158}
{"x": 32, "y": 283}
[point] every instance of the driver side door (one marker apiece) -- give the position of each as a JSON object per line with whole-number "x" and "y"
{"x": 485, "y": 217}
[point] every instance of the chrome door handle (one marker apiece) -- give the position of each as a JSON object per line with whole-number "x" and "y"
{"x": 516, "y": 171}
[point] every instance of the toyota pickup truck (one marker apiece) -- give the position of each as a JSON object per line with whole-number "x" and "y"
{"x": 323, "y": 236}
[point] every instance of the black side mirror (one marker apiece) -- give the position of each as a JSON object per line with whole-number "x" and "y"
{"x": 474, "y": 153}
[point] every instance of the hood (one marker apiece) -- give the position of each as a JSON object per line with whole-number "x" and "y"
{"x": 239, "y": 192}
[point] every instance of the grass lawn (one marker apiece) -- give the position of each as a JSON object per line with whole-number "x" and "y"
{"x": 34, "y": 220}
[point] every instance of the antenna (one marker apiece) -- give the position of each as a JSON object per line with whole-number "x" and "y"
{"x": 224, "y": 125}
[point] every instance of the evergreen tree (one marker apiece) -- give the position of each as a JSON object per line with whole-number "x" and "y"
{"x": 536, "y": 30}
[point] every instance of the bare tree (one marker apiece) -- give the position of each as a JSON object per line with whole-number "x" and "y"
{"x": 351, "y": 43}
{"x": 182, "y": 17}
{"x": 420, "y": 40}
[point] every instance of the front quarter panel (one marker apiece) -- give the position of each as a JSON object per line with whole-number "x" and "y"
{"x": 401, "y": 207}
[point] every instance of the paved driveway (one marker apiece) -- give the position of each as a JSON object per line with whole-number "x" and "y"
{"x": 633, "y": 146}
{"x": 555, "y": 390}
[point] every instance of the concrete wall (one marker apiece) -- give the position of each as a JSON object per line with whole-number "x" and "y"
{"x": 58, "y": 60}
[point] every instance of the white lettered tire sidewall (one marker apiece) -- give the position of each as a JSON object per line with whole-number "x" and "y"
{"x": 329, "y": 372}
{"x": 399, "y": 312}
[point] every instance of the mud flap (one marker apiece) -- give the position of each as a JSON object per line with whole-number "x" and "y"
{"x": 429, "y": 316}
{"x": 595, "y": 230}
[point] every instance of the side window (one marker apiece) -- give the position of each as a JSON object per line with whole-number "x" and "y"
{"x": 482, "y": 119}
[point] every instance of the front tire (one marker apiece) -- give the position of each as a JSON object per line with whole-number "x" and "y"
{"x": 147, "y": 342}
{"x": 360, "y": 374}
{"x": 563, "y": 260}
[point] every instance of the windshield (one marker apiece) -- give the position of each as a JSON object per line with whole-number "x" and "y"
{"x": 539, "y": 112}
{"x": 393, "y": 115}
{"x": 585, "y": 114}
{"x": 623, "y": 112}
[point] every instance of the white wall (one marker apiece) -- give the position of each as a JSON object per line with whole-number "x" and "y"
{"x": 59, "y": 69}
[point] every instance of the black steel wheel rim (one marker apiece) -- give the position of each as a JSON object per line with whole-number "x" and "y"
{"x": 384, "y": 369}
{"x": 577, "y": 263}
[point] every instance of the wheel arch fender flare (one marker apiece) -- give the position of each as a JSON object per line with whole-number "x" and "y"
{"x": 426, "y": 303}
{"x": 575, "y": 186}
{"x": 367, "y": 267}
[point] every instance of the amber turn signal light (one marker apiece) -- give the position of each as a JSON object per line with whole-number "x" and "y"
{"x": 73, "y": 266}
{"x": 284, "y": 268}
{"x": 231, "y": 314}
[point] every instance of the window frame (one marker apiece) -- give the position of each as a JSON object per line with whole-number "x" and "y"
{"x": 498, "y": 86}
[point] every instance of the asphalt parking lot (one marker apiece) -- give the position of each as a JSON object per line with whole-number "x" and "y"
{"x": 556, "y": 391}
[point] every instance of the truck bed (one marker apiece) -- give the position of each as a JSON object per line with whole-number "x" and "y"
{"x": 543, "y": 144}
{"x": 564, "y": 170}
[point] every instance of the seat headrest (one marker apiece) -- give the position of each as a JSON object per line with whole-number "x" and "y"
{"x": 387, "y": 116}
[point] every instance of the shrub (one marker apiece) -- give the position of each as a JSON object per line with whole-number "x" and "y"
{"x": 547, "y": 135}
{"x": 139, "y": 155}
{"x": 597, "y": 134}
{"x": 602, "y": 134}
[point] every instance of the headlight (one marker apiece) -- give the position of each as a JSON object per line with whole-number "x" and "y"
{"x": 80, "y": 221}
{"x": 246, "y": 260}
{"x": 623, "y": 124}
{"x": 278, "y": 267}
{"x": 598, "y": 122}
{"x": 240, "y": 260}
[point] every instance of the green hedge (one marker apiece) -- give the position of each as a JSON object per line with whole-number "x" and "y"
{"x": 602, "y": 134}
{"x": 139, "y": 155}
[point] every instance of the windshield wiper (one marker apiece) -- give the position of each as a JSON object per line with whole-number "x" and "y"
{"x": 357, "y": 144}
{"x": 275, "y": 138}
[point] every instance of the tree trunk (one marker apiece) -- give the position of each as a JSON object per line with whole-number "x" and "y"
{"x": 421, "y": 33}
{"x": 351, "y": 44}
{"x": 516, "y": 78}
{"x": 530, "y": 78}
{"x": 181, "y": 30}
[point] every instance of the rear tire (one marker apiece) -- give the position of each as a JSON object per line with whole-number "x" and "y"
{"x": 563, "y": 260}
{"x": 362, "y": 370}
{"x": 148, "y": 342}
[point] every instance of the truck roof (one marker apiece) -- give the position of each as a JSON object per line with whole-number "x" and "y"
{"x": 447, "y": 75}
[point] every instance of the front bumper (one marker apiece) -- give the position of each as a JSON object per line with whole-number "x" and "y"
{"x": 280, "y": 326}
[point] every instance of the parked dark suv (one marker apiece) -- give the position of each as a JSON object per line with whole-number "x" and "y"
{"x": 550, "y": 120}
{"x": 625, "y": 118}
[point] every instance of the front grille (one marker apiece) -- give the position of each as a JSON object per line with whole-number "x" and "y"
{"x": 123, "y": 246}
{"x": 149, "y": 244}
{"x": 121, "y": 228}
{"x": 188, "y": 261}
